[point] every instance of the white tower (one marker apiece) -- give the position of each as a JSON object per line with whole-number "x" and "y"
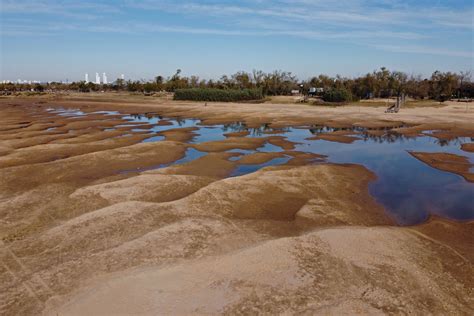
{"x": 122, "y": 76}
{"x": 87, "y": 78}
{"x": 104, "y": 78}
{"x": 97, "y": 78}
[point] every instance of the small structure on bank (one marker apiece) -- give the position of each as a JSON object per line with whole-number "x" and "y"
{"x": 313, "y": 91}
{"x": 396, "y": 107}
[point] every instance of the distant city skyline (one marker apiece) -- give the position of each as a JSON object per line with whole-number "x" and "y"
{"x": 98, "y": 79}
{"x": 50, "y": 40}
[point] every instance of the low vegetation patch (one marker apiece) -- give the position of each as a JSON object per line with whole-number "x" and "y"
{"x": 220, "y": 95}
{"x": 337, "y": 95}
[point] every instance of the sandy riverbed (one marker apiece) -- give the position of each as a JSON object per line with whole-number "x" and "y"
{"x": 81, "y": 236}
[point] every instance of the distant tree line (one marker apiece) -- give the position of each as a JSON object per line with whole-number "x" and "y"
{"x": 381, "y": 83}
{"x": 222, "y": 95}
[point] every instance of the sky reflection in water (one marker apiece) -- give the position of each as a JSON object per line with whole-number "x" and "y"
{"x": 409, "y": 189}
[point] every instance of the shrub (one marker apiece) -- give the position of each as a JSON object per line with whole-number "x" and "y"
{"x": 337, "y": 95}
{"x": 39, "y": 88}
{"x": 222, "y": 95}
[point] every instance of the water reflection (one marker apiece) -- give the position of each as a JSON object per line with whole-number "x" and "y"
{"x": 262, "y": 130}
{"x": 409, "y": 189}
{"x": 245, "y": 169}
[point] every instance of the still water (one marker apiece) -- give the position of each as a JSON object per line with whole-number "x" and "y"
{"x": 409, "y": 189}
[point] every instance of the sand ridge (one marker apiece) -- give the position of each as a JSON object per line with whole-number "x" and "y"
{"x": 91, "y": 231}
{"x": 447, "y": 162}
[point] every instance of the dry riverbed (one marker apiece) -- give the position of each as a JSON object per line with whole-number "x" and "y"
{"x": 90, "y": 225}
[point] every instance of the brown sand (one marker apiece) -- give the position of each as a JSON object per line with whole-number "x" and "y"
{"x": 281, "y": 115}
{"x": 259, "y": 158}
{"x": 179, "y": 134}
{"x": 231, "y": 143}
{"x": 237, "y": 134}
{"x": 303, "y": 158}
{"x": 213, "y": 165}
{"x": 281, "y": 142}
{"x": 447, "y": 162}
{"x": 468, "y": 147}
{"x": 338, "y": 136}
{"x": 85, "y": 230}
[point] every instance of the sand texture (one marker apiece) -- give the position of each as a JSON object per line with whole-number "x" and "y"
{"x": 89, "y": 226}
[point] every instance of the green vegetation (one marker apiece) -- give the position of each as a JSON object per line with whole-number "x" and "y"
{"x": 213, "y": 94}
{"x": 242, "y": 86}
{"x": 384, "y": 83}
{"x": 337, "y": 95}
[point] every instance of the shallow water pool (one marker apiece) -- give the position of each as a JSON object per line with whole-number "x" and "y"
{"x": 409, "y": 189}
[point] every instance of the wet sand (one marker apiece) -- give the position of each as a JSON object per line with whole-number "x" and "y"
{"x": 338, "y": 136}
{"x": 87, "y": 228}
{"x": 448, "y": 162}
{"x": 468, "y": 147}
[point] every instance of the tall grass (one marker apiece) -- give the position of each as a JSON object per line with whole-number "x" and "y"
{"x": 221, "y": 95}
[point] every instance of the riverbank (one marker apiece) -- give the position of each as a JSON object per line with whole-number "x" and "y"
{"x": 446, "y": 112}
{"x": 90, "y": 225}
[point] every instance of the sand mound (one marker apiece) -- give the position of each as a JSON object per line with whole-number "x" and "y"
{"x": 340, "y": 270}
{"x": 145, "y": 187}
{"x": 88, "y": 226}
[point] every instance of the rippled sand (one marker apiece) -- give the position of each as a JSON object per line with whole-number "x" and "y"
{"x": 89, "y": 227}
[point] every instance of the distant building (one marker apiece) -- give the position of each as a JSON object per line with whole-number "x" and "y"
{"x": 21, "y": 81}
{"x": 313, "y": 91}
{"x": 104, "y": 78}
{"x": 97, "y": 78}
{"x": 122, "y": 76}
{"x": 86, "y": 78}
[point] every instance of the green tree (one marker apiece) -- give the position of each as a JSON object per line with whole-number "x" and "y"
{"x": 398, "y": 82}
{"x": 443, "y": 85}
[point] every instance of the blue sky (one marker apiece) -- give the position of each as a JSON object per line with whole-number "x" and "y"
{"x": 59, "y": 40}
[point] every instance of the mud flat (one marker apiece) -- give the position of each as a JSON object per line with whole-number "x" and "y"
{"x": 468, "y": 147}
{"x": 338, "y": 136}
{"x": 109, "y": 213}
{"x": 453, "y": 115}
{"x": 448, "y": 162}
